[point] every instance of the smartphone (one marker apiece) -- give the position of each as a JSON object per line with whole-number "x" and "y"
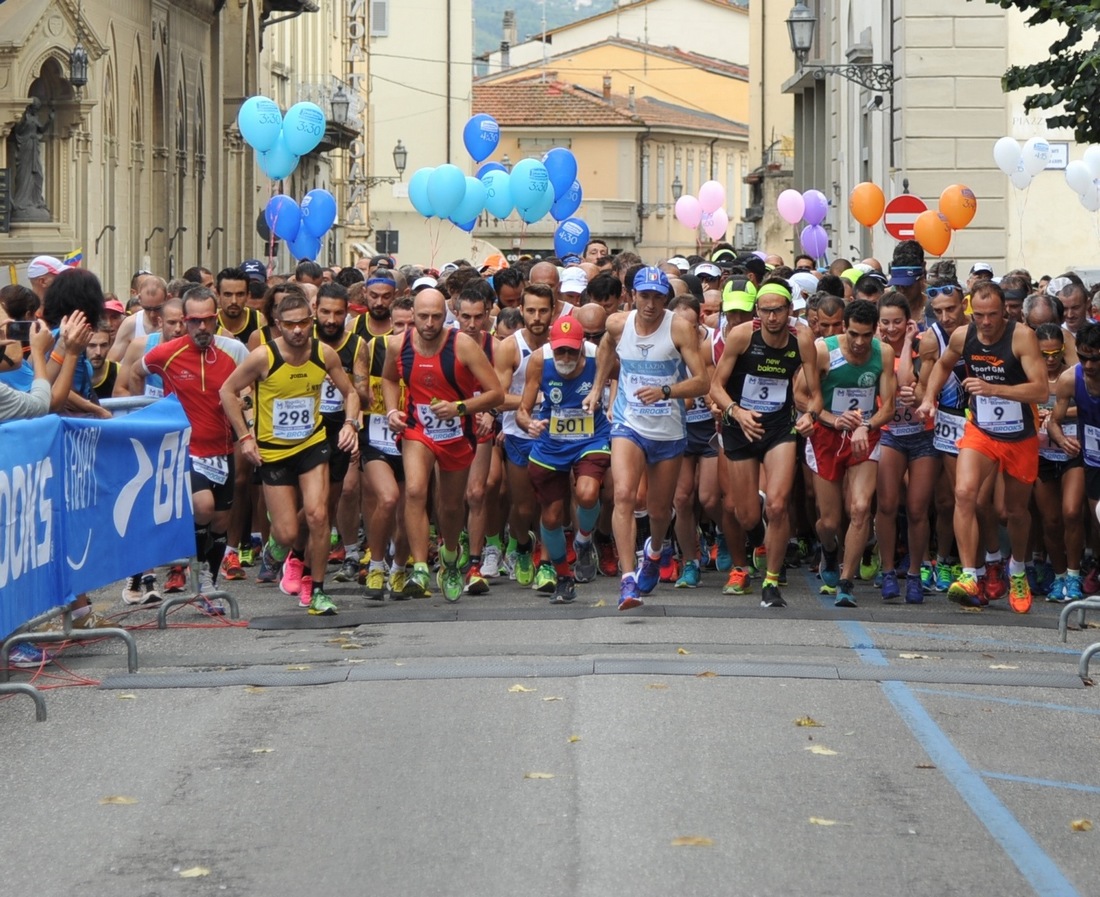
{"x": 20, "y": 330}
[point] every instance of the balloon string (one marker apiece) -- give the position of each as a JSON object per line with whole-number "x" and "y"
{"x": 271, "y": 231}
{"x": 1023, "y": 209}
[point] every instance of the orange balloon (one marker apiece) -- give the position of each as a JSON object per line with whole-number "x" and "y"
{"x": 932, "y": 231}
{"x": 867, "y": 203}
{"x": 958, "y": 205}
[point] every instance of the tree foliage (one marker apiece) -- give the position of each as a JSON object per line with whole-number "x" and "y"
{"x": 1069, "y": 81}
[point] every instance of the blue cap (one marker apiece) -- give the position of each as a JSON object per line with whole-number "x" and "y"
{"x": 653, "y": 279}
{"x": 255, "y": 269}
{"x": 571, "y": 259}
{"x": 905, "y": 275}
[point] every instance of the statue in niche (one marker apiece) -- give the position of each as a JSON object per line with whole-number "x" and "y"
{"x": 28, "y": 199}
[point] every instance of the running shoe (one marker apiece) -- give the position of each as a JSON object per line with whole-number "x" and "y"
{"x": 609, "y": 559}
{"x": 944, "y": 577}
{"x": 27, "y": 657}
{"x": 231, "y": 565}
{"x": 628, "y": 594}
{"x": 509, "y": 566}
{"x": 588, "y": 561}
{"x": 650, "y": 572}
{"x": 782, "y": 574}
{"x": 490, "y": 562}
{"x": 524, "y": 568}
{"x": 723, "y": 560}
{"x": 419, "y": 584}
{"x": 376, "y": 583}
{"x": 844, "y": 596}
{"x": 1057, "y": 591}
{"x": 449, "y": 579}
{"x": 176, "y": 581}
{"x": 770, "y": 597}
{"x": 305, "y": 591}
{"x": 321, "y": 605}
{"x": 914, "y": 589}
{"x": 132, "y": 593}
{"x": 546, "y": 580}
{"x": 927, "y": 577}
{"x": 760, "y": 559}
{"x": 996, "y": 586}
{"x": 870, "y": 563}
{"x": 830, "y": 569}
{"x": 338, "y": 555}
{"x": 476, "y": 584}
{"x": 149, "y": 594}
{"x": 1044, "y": 574}
{"x": 247, "y": 556}
{"x": 348, "y": 572}
{"x": 211, "y": 607}
{"x": 269, "y": 567}
{"x": 291, "y": 581}
{"x": 739, "y": 582}
{"x": 1073, "y": 590}
{"x": 689, "y": 579}
{"x": 670, "y": 568}
{"x": 966, "y": 591}
{"x": 565, "y": 592}
{"x": 890, "y": 589}
{"x": 398, "y": 585}
{"x": 1090, "y": 585}
{"x": 1019, "y": 593}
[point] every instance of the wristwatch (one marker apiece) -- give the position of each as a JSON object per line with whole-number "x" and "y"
{"x": 461, "y": 408}
{"x": 354, "y": 424}
{"x": 666, "y": 391}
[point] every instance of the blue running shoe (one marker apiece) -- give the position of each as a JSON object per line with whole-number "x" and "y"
{"x": 628, "y": 594}
{"x": 724, "y": 560}
{"x": 650, "y": 573}
{"x": 1044, "y": 578}
{"x": 1073, "y": 590}
{"x": 927, "y": 577}
{"x": 844, "y": 596}
{"x": 944, "y": 577}
{"x": 689, "y": 579}
{"x": 914, "y": 589}
{"x": 890, "y": 588}
{"x": 830, "y": 570}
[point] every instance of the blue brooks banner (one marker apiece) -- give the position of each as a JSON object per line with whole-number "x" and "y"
{"x": 84, "y": 503}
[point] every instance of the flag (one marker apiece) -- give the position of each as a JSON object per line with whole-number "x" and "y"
{"x": 74, "y": 258}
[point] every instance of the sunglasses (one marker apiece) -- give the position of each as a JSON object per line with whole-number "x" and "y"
{"x": 1087, "y": 359}
{"x": 946, "y": 290}
{"x": 200, "y": 319}
{"x": 1053, "y": 353}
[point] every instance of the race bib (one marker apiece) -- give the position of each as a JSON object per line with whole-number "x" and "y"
{"x": 905, "y": 421}
{"x": 435, "y": 429}
{"x": 697, "y": 411}
{"x": 292, "y": 418}
{"x": 765, "y": 394}
{"x": 637, "y": 406}
{"x": 948, "y": 431}
{"x": 570, "y": 424}
{"x": 380, "y": 436}
{"x": 215, "y": 469}
{"x": 999, "y": 415}
{"x": 332, "y": 400}
{"x": 154, "y": 392}
{"x": 1091, "y": 446}
{"x": 853, "y": 398}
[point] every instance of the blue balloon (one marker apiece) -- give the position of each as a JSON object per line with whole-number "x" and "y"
{"x": 540, "y": 207}
{"x": 446, "y": 187}
{"x": 561, "y": 165}
{"x": 472, "y": 203}
{"x": 418, "y": 192}
{"x": 318, "y": 212}
{"x": 498, "y": 194}
{"x": 305, "y": 246}
{"x": 566, "y": 205}
{"x": 468, "y": 226}
{"x": 278, "y": 162}
{"x": 260, "y": 120}
{"x": 571, "y": 237}
{"x": 283, "y": 216}
{"x": 529, "y": 183}
{"x": 481, "y": 136}
{"x": 490, "y": 166}
{"x": 303, "y": 127}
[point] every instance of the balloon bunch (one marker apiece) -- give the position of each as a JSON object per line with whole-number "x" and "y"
{"x": 302, "y": 226}
{"x": 1083, "y": 177}
{"x": 811, "y": 207}
{"x": 532, "y": 189}
{"x": 934, "y": 228}
{"x": 280, "y": 140}
{"x": 1021, "y": 163}
{"x": 706, "y": 209}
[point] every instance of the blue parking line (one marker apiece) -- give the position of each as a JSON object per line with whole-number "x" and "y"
{"x": 991, "y": 642}
{"x": 1046, "y": 783}
{"x": 1016, "y": 702}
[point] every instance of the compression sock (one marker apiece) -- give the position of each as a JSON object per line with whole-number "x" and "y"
{"x": 641, "y": 529}
{"x": 586, "y": 520}
{"x": 202, "y": 542}
{"x": 216, "y": 553}
{"x": 554, "y": 542}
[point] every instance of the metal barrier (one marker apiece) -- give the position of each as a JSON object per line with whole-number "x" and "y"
{"x": 1092, "y": 602}
{"x": 127, "y": 404}
{"x": 193, "y": 565}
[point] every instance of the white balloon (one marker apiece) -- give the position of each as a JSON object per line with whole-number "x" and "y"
{"x": 1078, "y": 176}
{"x": 1021, "y": 178}
{"x": 1006, "y": 153}
{"x": 1092, "y": 160}
{"x": 1035, "y": 155}
{"x": 1090, "y": 199}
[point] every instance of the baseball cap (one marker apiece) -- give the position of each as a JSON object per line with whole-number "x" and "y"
{"x": 566, "y": 333}
{"x": 802, "y": 284}
{"x": 905, "y": 275}
{"x": 574, "y": 280}
{"x": 707, "y": 269}
{"x": 423, "y": 283}
{"x": 723, "y": 256}
{"x": 754, "y": 265}
{"x": 739, "y": 294}
{"x": 115, "y": 306}
{"x": 255, "y": 269}
{"x": 680, "y": 262}
{"x": 982, "y": 268}
{"x": 852, "y": 275}
{"x": 571, "y": 259}
{"x": 653, "y": 280}
{"x": 493, "y": 264}
{"x": 44, "y": 264}
{"x": 1057, "y": 285}
{"x": 382, "y": 261}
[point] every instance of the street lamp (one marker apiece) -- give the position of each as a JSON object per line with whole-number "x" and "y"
{"x": 506, "y": 162}
{"x": 340, "y": 104}
{"x": 801, "y": 24}
{"x": 78, "y": 65}
{"x": 677, "y": 188}
{"x": 400, "y": 158}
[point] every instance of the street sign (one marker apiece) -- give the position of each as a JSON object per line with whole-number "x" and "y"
{"x": 901, "y": 212}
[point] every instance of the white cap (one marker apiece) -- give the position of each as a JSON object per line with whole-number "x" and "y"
{"x": 802, "y": 284}
{"x": 425, "y": 281}
{"x": 707, "y": 269}
{"x": 680, "y": 262}
{"x": 574, "y": 280}
{"x": 44, "y": 264}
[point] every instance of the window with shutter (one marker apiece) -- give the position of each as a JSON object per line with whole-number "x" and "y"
{"x": 379, "y": 18}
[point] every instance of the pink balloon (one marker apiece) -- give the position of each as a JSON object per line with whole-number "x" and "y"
{"x": 791, "y": 205}
{"x": 712, "y": 196}
{"x": 716, "y": 223}
{"x": 688, "y": 211}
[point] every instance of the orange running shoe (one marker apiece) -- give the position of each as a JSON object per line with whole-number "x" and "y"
{"x": 739, "y": 582}
{"x": 1019, "y": 593}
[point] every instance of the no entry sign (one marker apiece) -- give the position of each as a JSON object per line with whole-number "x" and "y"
{"x": 901, "y": 212}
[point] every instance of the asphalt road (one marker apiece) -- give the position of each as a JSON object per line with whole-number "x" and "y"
{"x": 503, "y": 746}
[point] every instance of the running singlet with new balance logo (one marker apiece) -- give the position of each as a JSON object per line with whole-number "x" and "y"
{"x": 288, "y": 416}
{"x": 1002, "y": 419}
{"x": 435, "y": 378}
{"x": 651, "y": 360}
{"x": 851, "y": 387}
{"x": 761, "y": 378}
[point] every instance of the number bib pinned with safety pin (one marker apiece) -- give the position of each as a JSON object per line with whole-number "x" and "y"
{"x": 996, "y": 415}
{"x": 292, "y": 419}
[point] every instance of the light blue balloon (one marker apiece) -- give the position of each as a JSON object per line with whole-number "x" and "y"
{"x": 283, "y": 216}
{"x": 571, "y": 237}
{"x": 565, "y": 206}
{"x": 541, "y": 206}
{"x": 305, "y": 246}
{"x": 418, "y": 192}
{"x": 318, "y": 212}
{"x": 278, "y": 162}
{"x": 481, "y": 136}
{"x": 498, "y": 194}
{"x": 489, "y": 166}
{"x": 303, "y": 127}
{"x": 260, "y": 120}
{"x": 473, "y": 202}
{"x": 561, "y": 165}
{"x": 446, "y": 187}
{"x": 530, "y": 183}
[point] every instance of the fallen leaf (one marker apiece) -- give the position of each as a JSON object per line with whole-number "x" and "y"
{"x": 350, "y": 647}
{"x": 1081, "y": 825}
{"x": 195, "y": 872}
{"x": 553, "y": 698}
{"x": 913, "y": 656}
{"x": 573, "y": 739}
{"x": 1002, "y": 666}
{"x": 657, "y": 686}
{"x": 706, "y": 674}
{"x": 817, "y": 820}
{"x": 298, "y": 668}
{"x": 600, "y": 603}
{"x": 262, "y": 750}
{"x": 682, "y": 651}
{"x": 127, "y": 697}
{"x": 692, "y": 841}
{"x": 926, "y": 766}
{"x": 517, "y": 689}
{"x": 355, "y": 660}
{"x": 970, "y": 610}
{"x": 336, "y": 641}
{"x": 348, "y": 632}
{"x": 254, "y": 689}
{"x": 821, "y": 749}
{"x": 118, "y": 799}
{"x": 538, "y": 775}
{"x": 989, "y": 656}
{"x": 809, "y": 722}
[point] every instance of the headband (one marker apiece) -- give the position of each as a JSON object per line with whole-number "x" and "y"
{"x": 773, "y": 289}
{"x": 388, "y": 281}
